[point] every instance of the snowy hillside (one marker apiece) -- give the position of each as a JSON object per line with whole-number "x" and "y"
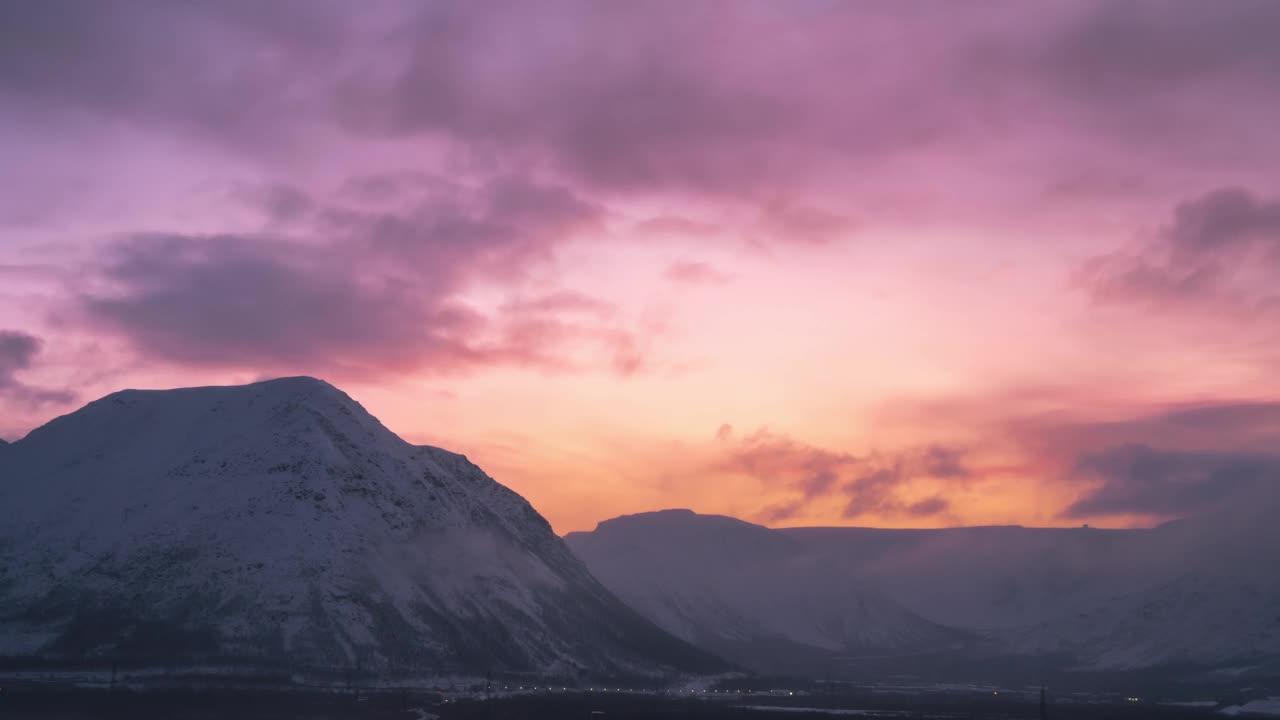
{"x": 981, "y": 577}
{"x": 1198, "y": 592}
{"x": 280, "y": 522}
{"x": 748, "y": 592}
{"x": 1204, "y": 591}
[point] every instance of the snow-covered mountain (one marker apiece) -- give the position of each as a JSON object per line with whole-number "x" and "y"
{"x": 1202, "y": 592}
{"x": 280, "y": 522}
{"x": 756, "y": 596}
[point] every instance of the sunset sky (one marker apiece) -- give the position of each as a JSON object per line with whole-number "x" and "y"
{"x": 800, "y": 262}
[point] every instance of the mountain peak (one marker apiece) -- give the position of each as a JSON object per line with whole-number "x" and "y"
{"x": 280, "y": 522}
{"x": 673, "y": 518}
{"x": 146, "y": 431}
{"x": 275, "y": 387}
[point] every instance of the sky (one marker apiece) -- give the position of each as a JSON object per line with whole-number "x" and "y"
{"x": 869, "y": 263}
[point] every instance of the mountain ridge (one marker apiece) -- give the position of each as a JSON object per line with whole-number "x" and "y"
{"x": 747, "y": 591}
{"x": 280, "y": 522}
{"x": 1094, "y": 599}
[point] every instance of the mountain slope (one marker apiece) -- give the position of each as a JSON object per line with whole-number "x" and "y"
{"x": 1201, "y": 592}
{"x": 279, "y": 522}
{"x": 981, "y": 578}
{"x": 750, "y": 593}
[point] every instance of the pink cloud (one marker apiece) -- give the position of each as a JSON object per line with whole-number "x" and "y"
{"x": 1220, "y": 250}
{"x": 874, "y": 485}
{"x": 695, "y": 273}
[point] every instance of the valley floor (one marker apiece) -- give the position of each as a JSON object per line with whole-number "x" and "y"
{"x": 49, "y": 703}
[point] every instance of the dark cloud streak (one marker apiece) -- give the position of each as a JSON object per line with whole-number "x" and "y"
{"x": 1221, "y": 249}
{"x": 18, "y": 351}
{"x": 870, "y": 485}
{"x": 238, "y": 74}
{"x": 1141, "y": 480}
{"x": 361, "y": 291}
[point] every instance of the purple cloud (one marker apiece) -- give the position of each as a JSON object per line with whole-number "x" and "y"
{"x": 1143, "y": 51}
{"x": 875, "y": 491}
{"x": 1221, "y": 246}
{"x": 231, "y": 73}
{"x": 1138, "y": 479}
{"x": 358, "y": 290}
{"x": 929, "y": 506}
{"x": 695, "y": 273}
{"x": 870, "y": 485}
{"x": 255, "y": 302}
{"x": 804, "y": 224}
{"x": 652, "y": 96}
{"x": 811, "y": 471}
{"x": 18, "y": 351}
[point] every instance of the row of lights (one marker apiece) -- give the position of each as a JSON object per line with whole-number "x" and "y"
{"x": 726, "y": 692}
{"x": 532, "y": 687}
{"x": 605, "y": 689}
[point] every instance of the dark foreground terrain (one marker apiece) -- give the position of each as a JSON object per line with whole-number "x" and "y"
{"x": 81, "y": 704}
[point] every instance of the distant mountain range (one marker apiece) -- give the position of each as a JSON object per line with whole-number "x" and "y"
{"x": 1197, "y": 593}
{"x": 280, "y": 523}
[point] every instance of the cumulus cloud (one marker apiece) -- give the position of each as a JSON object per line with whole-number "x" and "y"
{"x": 1224, "y": 426}
{"x": 809, "y": 470}
{"x": 16, "y": 351}
{"x": 942, "y": 462}
{"x": 1219, "y": 247}
{"x": 641, "y": 117}
{"x": 683, "y": 100}
{"x": 1176, "y": 461}
{"x": 1139, "y": 52}
{"x": 237, "y": 74}
{"x": 361, "y": 290}
{"x": 1224, "y": 220}
{"x": 876, "y": 491}
{"x": 255, "y": 302}
{"x": 872, "y": 485}
{"x": 641, "y": 97}
{"x": 929, "y": 506}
